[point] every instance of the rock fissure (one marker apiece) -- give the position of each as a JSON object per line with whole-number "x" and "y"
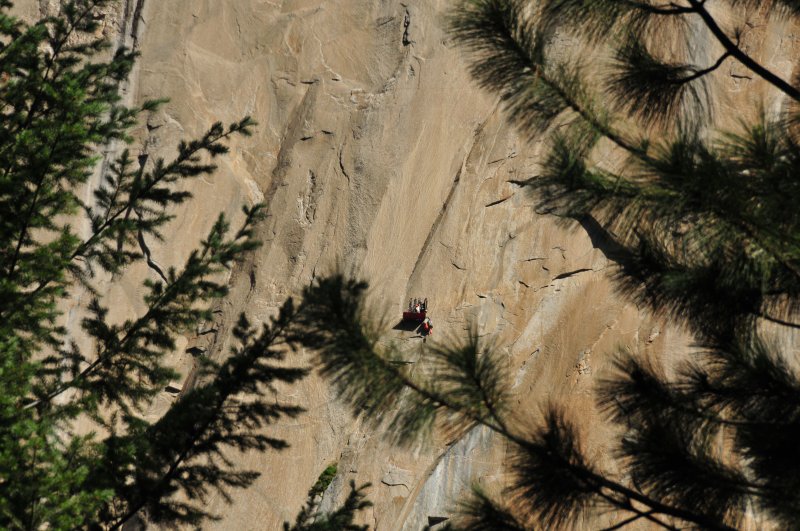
{"x": 384, "y": 21}
{"x": 436, "y": 223}
{"x": 406, "y": 23}
{"x": 571, "y": 273}
{"x": 341, "y": 164}
{"x": 136, "y": 20}
{"x": 499, "y": 201}
{"x": 152, "y": 264}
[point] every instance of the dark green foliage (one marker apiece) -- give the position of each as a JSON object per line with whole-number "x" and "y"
{"x": 551, "y": 456}
{"x": 703, "y": 230}
{"x": 341, "y": 519}
{"x": 184, "y": 450}
{"x": 323, "y": 481}
{"x": 514, "y": 47}
{"x": 481, "y": 513}
{"x": 374, "y": 379}
{"x": 332, "y": 324}
{"x": 653, "y": 90}
{"x": 60, "y": 106}
{"x": 460, "y": 386}
{"x": 704, "y": 227}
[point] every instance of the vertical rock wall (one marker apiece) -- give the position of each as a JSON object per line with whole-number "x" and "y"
{"x": 375, "y": 152}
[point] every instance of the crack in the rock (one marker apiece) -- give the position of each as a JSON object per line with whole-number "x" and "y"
{"x": 571, "y": 273}
{"x": 406, "y": 23}
{"x": 429, "y": 239}
{"x": 146, "y": 252}
{"x": 510, "y": 156}
{"x": 384, "y": 21}
{"x": 503, "y": 200}
{"x": 137, "y": 18}
{"x": 310, "y": 199}
{"x": 438, "y": 221}
{"x": 341, "y": 164}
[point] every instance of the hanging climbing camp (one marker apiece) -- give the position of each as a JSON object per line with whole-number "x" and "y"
{"x": 417, "y": 310}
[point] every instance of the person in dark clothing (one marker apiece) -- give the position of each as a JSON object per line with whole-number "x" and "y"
{"x": 427, "y": 327}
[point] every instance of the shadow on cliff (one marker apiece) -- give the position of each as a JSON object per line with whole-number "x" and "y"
{"x": 406, "y": 326}
{"x": 602, "y": 239}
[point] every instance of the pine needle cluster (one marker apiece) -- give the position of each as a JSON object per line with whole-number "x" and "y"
{"x": 60, "y": 105}
{"x": 704, "y": 226}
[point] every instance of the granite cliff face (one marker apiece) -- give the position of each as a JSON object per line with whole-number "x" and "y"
{"x": 375, "y": 152}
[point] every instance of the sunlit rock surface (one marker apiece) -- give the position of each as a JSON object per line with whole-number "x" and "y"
{"x": 377, "y": 154}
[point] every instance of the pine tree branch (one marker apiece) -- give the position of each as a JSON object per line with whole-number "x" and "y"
{"x": 608, "y": 132}
{"x": 57, "y": 49}
{"x": 348, "y": 356}
{"x": 630, "y": 520}
{"x": 777, "y": 320}
{"x": 767, "y": 257}
{"x": 651, "y": 193}
{"x": 502, "y": 37}
{"x": 495, "y": 31}
{"x": 24, "y": 229}
{"x": 597, "y": 481}
{"x": 626, "y": 505}
{"x": 152, "y": 183}
{"x": 755, "y": 234}
{"x": 29, "y": 215}
{"x": 84, "y": 247}
{"x": 664, "y": 9}
{"x": 704, "y": 71}
{"x": 737, "y": 52}
{"x": 626, "y": 256}
{"x": 199, "y": 265}
{"x": 107, "y": 354}
{"x": 167, "y": 477}
{"x": 436, "y": 399}
{"x": 155, "y": 492}
{"x": 490, "y": 406}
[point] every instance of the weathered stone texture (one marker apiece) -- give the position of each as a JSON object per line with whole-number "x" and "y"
{"x": 377, "y": 153}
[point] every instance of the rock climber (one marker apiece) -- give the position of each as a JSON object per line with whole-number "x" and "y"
{"x": 427, "y": 327}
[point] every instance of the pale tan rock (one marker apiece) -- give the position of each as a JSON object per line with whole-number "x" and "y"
{"x": 377, "y": 153}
